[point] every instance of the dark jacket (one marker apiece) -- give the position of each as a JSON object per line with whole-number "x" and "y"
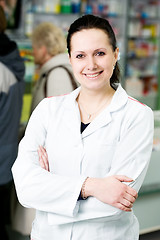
{"x": 12, "y": 71}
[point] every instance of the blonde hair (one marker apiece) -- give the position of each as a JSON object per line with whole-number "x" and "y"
{"x": 3, "y": 21}
{"x": 51, "y": 37}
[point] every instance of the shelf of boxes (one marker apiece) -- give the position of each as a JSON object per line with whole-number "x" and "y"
{"x": 143, "y": 42}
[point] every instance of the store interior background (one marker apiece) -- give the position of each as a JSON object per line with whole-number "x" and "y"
{"x": 136, "y": 24}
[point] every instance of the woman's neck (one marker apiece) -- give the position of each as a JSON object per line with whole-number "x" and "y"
{"x": 92, "y": 103}
{"x": 95, "y": 97}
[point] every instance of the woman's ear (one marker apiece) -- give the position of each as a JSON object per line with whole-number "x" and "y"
{"x": 69, "y": 58}
{"x": 116, "y": 54}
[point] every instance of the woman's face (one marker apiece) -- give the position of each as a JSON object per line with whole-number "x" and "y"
{"x": 39, "y": 54}
{"x": 92, "y": 58}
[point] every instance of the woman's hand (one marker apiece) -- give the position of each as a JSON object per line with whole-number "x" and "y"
{"x": 43, "y": 158}
{"x": 112, "y": 191}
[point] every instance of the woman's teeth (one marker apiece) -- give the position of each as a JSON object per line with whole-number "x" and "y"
{"x": 92, "y": 75}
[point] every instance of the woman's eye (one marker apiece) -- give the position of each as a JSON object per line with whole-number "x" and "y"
{"x": 100, "y": 53}
{"x": 79, "y": 56}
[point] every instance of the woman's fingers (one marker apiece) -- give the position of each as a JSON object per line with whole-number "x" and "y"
{"x": 43, "y": 158}
{"x": 126, "y": 203}
{"x": 123, "y": 178}
{"x": 40, "y": 159}
{"x": 127, "y": 199}
{"x": 123, "y": 207}
{"x": 43, "y": 150}
{"x": 130, "y": 197}
{"x": 45, "y": 161}
{"x": 132, "y": 192}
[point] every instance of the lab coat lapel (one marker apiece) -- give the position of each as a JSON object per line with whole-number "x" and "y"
{"x": 71, "y": 116}
{"x": 118, "y": 101}
{"x": 100, "y": 121}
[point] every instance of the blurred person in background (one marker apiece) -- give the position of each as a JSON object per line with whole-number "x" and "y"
{"x": 12, "y": 71}
{"x": 49, "y": 51}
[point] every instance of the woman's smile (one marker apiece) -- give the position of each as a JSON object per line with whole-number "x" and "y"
{"x": 93, "y": 75}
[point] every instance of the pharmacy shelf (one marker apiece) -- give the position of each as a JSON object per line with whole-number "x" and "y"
{"x": 142, "y": 73}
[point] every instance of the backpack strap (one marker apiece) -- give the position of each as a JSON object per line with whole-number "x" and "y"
{"x": 74, "y": 84}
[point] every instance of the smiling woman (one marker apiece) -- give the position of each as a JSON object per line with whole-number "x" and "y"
{"x": 93, "y": 60}
{"x": 84, "y": 155}
{"x": 106, "y": 38}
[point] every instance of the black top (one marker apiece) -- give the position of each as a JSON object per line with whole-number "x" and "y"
{"x": 83, "y": 127}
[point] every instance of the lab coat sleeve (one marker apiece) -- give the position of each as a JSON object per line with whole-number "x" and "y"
{"x": 134, "y": 148}
{"x": 36, "y": 187}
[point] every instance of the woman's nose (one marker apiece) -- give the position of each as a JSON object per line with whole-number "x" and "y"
{"x": 91, "y": 65}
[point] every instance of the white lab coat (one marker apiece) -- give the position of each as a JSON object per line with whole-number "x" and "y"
{"x": 118, "y": 141}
